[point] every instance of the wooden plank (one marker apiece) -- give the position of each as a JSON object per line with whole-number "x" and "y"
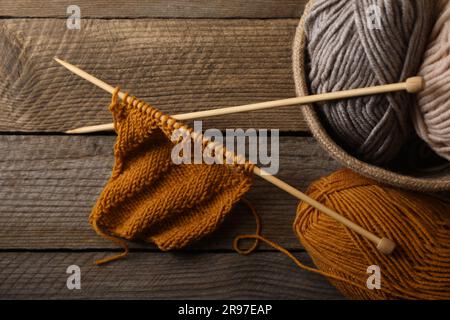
{"x": 48, "y": 185}
{"x": 156, "y": 8}
{"x": 161, "y": 276}
{"x": 177, "y": 65}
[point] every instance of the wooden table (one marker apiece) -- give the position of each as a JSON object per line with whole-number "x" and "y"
{"x": 180, "y": 56}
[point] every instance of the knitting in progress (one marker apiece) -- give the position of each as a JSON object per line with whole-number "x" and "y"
{"x": 345, "y": 51}
{"x": 148, "y": 198}
{"x": 432, "y": 113}
{"x": 152, "y": 199}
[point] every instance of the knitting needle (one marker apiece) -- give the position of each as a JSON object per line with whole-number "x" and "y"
{"x": 412, "y": 85}
{"x": 384, "y": 245}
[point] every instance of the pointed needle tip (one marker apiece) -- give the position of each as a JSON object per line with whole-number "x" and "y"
{"x": 61, "y": 62}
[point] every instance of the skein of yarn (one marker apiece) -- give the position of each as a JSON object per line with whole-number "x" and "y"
{"x": 432, "y": 112}
{"x": 363, "y": 43}
{"x": 419, "y": 224}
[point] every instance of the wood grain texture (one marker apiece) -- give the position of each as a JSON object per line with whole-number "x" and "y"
{"x": 48, "y": 185}
{"x": 177, "y": 65}
{"x": 161, "y": 276}
{"x": 156, "y": 8}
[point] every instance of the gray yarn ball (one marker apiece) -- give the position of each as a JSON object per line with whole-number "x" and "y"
{"x": 360, "y": 43}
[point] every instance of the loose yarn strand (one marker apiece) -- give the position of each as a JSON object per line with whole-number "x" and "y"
{"x": 258, "y": 237}
{"x": 117, "y": 241}
{"x": 257, "y": 231}
{"x": 283, "y": 250}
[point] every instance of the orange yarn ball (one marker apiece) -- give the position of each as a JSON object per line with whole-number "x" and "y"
{"x": 419, "y": 267}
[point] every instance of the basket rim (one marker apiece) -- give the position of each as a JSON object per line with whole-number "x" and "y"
{"x": 327, "y": 143}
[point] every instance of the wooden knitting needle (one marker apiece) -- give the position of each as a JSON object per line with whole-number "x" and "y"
{"x": 384, "y": 245}
{"x": 413, "y": 84}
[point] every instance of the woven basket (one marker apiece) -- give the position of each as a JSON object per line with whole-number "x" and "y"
{"x": 435, "y": 182}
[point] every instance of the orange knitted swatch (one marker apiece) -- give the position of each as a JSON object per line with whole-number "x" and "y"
{"x": 148, "y": 197}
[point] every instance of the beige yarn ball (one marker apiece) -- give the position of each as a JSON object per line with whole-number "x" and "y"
{"x": 432, "y": 112}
